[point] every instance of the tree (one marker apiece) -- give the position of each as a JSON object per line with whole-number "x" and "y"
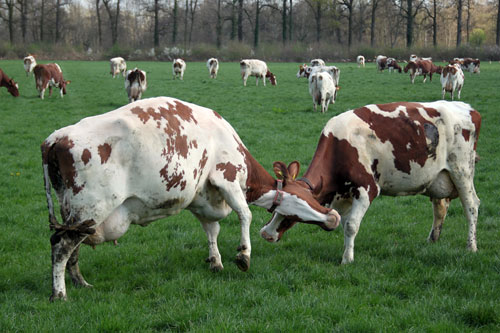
{"x": 375, "y": 4}
{"x": 156, "y": 33}
{"x": 23, "y": 11}
{"x": 174, "y": 23}
{"x": 459, "y": 22}
{"x": 432, "y": 14}
{"x": 316, "y": 7}
{"x": 349, "y": 6}
{"x": 114, "y": 18}
{"x": 218, "y": 26}
{"x": 409, "y": 12}
{"x": 9, "y": 5}
{"x": 240, "y": 20}
{"x": 99, "y": 23}
{"x": 498, "y": 24}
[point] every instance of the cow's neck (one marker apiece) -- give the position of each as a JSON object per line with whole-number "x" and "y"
{"x": 259, "y": 181}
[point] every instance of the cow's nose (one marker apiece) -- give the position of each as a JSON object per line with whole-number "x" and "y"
{"x": 267, "y": 237}
{"x": 333, "y": 220}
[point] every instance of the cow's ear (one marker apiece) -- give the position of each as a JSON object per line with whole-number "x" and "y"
{"x": 280, "y": 170}
{"x": 293, "y": 169}
{"x": 68, "y": 82}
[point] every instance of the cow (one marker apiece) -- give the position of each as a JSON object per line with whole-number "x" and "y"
{"x": 213, "y": 67}
{"x": 452, "y": 79}
{"x": 151, "y": 159}
{"x": 307, "y": 71}
{"x": 422, "y": 67}
{"x": 360, "y": 60}
{"x": 471, "y": 65}
{"x": 322, "y": 89}
{"x": 392, "y": 65}
{"x": 9, "y": 83}
{"x": 135, "y": 84}
{"x": 414, "y": 57}
{"x": 178, "y": 68}
{"x": 48, "y": 76}
{"x": 118, "y": 65}
{"x": 381, "y": 62}
{"x": 317, "y": 62}
{"x": 392, "y": 149}
{"x": 29, "y": 64}
{"x": 257, "y": 68}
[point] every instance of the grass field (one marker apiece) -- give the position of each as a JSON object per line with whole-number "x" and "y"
{"x": 156, "y": 278}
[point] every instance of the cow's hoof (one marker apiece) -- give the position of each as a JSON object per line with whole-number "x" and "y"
{"x": 243, "y": 262}
{"x": 58, "y": 296}
{"x": 214, "y": 265}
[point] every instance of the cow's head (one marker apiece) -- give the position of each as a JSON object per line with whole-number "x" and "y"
{"x": 12, "y": 87}
{"x": 63, "y": 85}
{"x": 297, "y": 204}
{"x": 271, "y": 77}
{"x": 411, "y": 66}
{"x": 302, "y": 70}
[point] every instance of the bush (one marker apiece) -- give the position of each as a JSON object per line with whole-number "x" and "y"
{"x": 477, "y": 37}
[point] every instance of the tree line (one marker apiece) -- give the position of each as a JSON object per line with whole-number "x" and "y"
{"x": 99, "y": 24}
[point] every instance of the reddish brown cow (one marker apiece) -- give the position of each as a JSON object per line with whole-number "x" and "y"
{"x": 422, "y": 67}
{"x": 9, "y": 83}
{"x": 49, "y": 75}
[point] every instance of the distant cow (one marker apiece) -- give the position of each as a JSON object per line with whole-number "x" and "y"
{"x": 307, "y": 71}
{"x": 29, "y": 64}
{"x": 149, "y": 160}
{"x": 323, "y": 90}
{"x": 392, "y": 65}
{"x": 48, "y": 76}
{"x": 452, "y": 79}
{"x": 257, "y": 68}
{"x": 392, "y": 149}
{"x": 178, "y": 68}
{"x": 118, "y": 65}
{"x": 135, "y": 84}
{"x": 213, "y": 67}
{"x": 469, "y": 64}
{"x": 360, "y": 60}
{"x": 9, "y": 83}
{"x": 422, "y": 67}
{"x": 381, "y": 62}
{"x": 317, "y": 62}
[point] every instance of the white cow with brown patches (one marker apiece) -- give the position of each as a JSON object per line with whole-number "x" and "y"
{"x": 135, "y": 84}
{"x": 118, "y": 66}
{"x": 393, "y": 149}
{"x": 452, "y": 79}
{"x": 213, "y": 67}
{"x": 323, "y": 90}
{"x": 151, "y": 159}
{"x": 257, "y": 68}
{"x": 29, "y": 64}
{"x": 178, "y": 68}
{"x": 360, "y": 60}
{"x": 307, "y": 71}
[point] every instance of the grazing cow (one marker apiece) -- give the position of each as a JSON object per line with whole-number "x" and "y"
{"x": 9, "y": 83}
{"x": 178, "y": 68}
{"x": 361, "y": 61}
{"x": 213, "y": 67}
{"x": 135, "y": 84}
{"x": 317, "y": 62}
{"x": 471, "y": 65}
{"x": 29, "y": 64}
{"x": 381, "y": 62}
{"x": 422, "y": 67}
{"x": 307, "y": 71}
{"x": 118, "y": 65}
{"x": 49, "y": 75}
{"x": 452, "y": 79}
{"x": 257, "y": 68}
{"x": 414, "y": 57}
{"x": 393, "y": 149}
{"x": 151, "y": 159}
{"x": 322, "y": 89}
{"x": 392, "y": 65}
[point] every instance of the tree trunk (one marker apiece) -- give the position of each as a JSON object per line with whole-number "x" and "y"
{"x": 318, "y": 21}
{"x": 218, "y": 26}
{"x": 290, "y": 22}
{"x": 186, "y": 13}
{"x": 256, "y": 30}
{"x": 284, "y": 34}
{"x": 372, "y": 23}
{"x": 113, "y": 19}
{"x": 434, "y": 25}
{"x": 174, "y": 23}
{"x": 409, "y": 23}
{"x": 240, "y": 20}
{"x": 42, "y": 18}
{"x": 459, "y": 22}
{"x": 58, "y": 19}
{"x": 234, "y": 27}
{"x": 498, "y": 24}
{"x": 192, "y": 8}
{"x": 99, "y": 29}
{"x": 156, "y": 36}
{"x": 23, "y": 11}
{"x": 467, "y": 28}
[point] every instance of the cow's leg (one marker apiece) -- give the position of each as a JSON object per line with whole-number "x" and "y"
{"x": 42, "y": 93}
{"x": 440, "y": 208}
{"x": 61, "y": 92}
{"x": 425, "y": 78}
{"x": 352, "y": 223}
{"x": 459, "y": 90}
{"x": 74, "y": 270}
{"x": 212, "y": 230}
{"x": 63, "y": 246}
{"x": 444, "y": 93}
{"x": 244, "y": 77}
{"x": 50, "y": 90}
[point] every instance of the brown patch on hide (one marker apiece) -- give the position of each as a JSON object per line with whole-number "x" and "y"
{"x": 229, "y": 170}
{"x": 86, "y": 156}
{"x": 104, "y": 151}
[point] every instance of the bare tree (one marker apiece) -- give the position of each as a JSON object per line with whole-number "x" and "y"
{"x": 317, "y": 9}
{"x": 290, "y": 21}
{"x": 240, "y": 20}
{"x": 409, "y": 12}
{"x": 349, "y": 6}
{"x": 432, "y": 14}
{"x": 174, "y": 19}
{"x": 459, "y": 22}
{"x": 99, "y": 23}
{"x": 22, "y": 7}
{"x": 218, "y": 25}
{"x": 498, "y": 24}
{"x": 9, "y": 18}
{"x": 114, "y": 18}
{"x": 375, "y": 4}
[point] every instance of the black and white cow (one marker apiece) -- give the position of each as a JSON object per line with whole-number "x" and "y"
{"x": 392, "y": 149}
{"x": 151, "y": 159}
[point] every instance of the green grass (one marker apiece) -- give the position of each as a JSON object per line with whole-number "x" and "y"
{"x": 156, "y": 278}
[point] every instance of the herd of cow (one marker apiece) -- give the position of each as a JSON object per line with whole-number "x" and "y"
{"x": 152, "y": 158}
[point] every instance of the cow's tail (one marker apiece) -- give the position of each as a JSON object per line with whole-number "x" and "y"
{"x": 51, "y": 171}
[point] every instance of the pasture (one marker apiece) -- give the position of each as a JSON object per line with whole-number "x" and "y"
{"x": 156, "y": 279}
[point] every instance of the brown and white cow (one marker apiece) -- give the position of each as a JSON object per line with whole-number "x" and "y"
{"x": 469, "y": 64}
{"x": 213, "y": 67}
{"x": 392, "y": 149}
{"x": 48, "y": 76}
{"x": 29, "y": 64}
{"x": 360, "y": 60}
{"x": 151, "y": 159}
{"x": 117, "y": 66}
{"x": 257, "y": 68}
{"x": 9, "y": 83}
{"x": 452, "y": 79}
{"x": 307, "y": 71}
{"x": 178, "y": 68}
{"x": 323, "y": 90}
{"x": 381, "y": 62}
{"x": 422, "y": 67}
{"x": 135, "y": 84}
